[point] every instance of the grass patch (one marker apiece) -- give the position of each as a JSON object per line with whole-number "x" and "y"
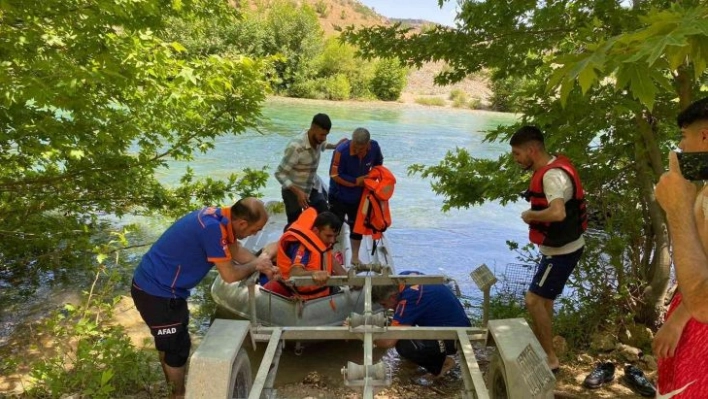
{"x": 432, "y": 101}
{"x": 475, "y": 103}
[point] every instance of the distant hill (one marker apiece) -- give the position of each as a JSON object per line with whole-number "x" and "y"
{"x": 333, "y": 13}
{"x": 414, "y": 23}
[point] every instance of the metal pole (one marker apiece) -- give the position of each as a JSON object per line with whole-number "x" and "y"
{"x": 485, "y": 307}
{"x": 252, "y": 303}
{"x": 270, "y": 358}
{"x": 368, "y": 342}
{"x": 368, "y": 365}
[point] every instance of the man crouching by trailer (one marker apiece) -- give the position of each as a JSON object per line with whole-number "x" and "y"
{"x": 429, "y": 305}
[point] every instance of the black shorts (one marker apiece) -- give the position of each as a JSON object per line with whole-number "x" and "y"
{"x": 350, "y": 210}
{"x": 429, "y": 354}
{"x": 293, "y": 209}
{"x": 552, "y": 274}
{"x": 168, "y": 319}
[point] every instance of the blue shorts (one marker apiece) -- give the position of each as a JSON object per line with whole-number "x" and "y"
{"x": 552, "y": 274}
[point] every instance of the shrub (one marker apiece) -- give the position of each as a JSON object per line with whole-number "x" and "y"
{"x": 94, "y": 359}
{"x": 365, "y": 11}
{"x": 433, "y": 101}
{"x": 322, "y": 8}
{"x": 340, "y": 59}
{"x": 475, "y": 103}
{"x": 502, "y": 98}
{"x": 305, "y": 89}
{"x": 505, "y": 306}
{"x": 389, "y": 80}
{"x": 336, "y": 87}
{"x": 457, "y": 94}
{"x": 103, "y": 365}
{"x": 459, "y": 98}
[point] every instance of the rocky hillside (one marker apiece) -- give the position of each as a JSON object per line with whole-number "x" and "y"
{"x": 421, "y": 88}
{"x": 334, "y": 13}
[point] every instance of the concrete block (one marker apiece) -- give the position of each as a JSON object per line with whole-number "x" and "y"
{"x": 527, "y": 374}
{"x": 210, "y": 366}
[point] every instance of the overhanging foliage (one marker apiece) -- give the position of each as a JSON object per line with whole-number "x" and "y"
{"x": 92, "y": 102}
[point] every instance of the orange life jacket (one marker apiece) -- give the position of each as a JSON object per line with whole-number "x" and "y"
{"x": 557, "y": 234}
{"x": 374, "y": 215}
{"x": 301, "y": 232}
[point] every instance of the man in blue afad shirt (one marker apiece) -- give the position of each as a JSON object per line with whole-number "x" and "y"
{"x": 430, "y": 305}
{"x": 179, "y": 260}
{"x": 351, "y": 163}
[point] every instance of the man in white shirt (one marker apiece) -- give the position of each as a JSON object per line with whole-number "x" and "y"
{"x": 557, "y": 220}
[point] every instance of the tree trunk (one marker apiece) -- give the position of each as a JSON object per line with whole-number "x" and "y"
{"x": 684, "y": 83}
{"x": 649, "y": 167}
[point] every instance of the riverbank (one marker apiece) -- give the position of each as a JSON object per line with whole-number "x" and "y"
{"x": 421, "y": 91}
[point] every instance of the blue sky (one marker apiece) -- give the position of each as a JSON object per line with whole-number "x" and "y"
{"x": 417, "y": 9}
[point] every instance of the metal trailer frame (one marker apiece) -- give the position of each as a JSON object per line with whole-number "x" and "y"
{"x": 517, "y": 371}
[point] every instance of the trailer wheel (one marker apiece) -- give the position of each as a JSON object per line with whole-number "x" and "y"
{"x": 241, "y": 377}
{"x": 496, "y": 378}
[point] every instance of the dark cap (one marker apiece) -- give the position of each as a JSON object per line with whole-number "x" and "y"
{"x": 322, "y": 120}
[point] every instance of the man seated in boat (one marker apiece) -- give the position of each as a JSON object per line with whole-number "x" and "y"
{"x": 430, "y": 305}
{"x": 305, "y": 249}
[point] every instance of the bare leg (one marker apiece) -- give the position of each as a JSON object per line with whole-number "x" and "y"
{"x": 549, "y": 308}
{"x": 428, "y": 378}
{"x": 356, "y": 245}
{"x": 447, "y": 366}
{"x": 175, "y": 377}
{"x": 541, "y": 311}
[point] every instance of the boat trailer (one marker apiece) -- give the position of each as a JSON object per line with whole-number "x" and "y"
{"x": 220, "y": 367}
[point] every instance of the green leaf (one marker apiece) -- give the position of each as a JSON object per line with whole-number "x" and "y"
{"x": 100, "y": 258}
{"x": 659, "y": 47}
{"x": 106, "y": 376}
{"x": 557, "y": 75}
{"x": 586, "y": 79}
{"x": 178, "y": 47}
{"x": 566, "y": 88}
{"x": 640, "y": 84}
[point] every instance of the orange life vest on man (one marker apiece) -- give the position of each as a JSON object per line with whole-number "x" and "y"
{"x": 301, "y": 232}
{"x": 557, "y": 234}
{"x": 374, "y": 215}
